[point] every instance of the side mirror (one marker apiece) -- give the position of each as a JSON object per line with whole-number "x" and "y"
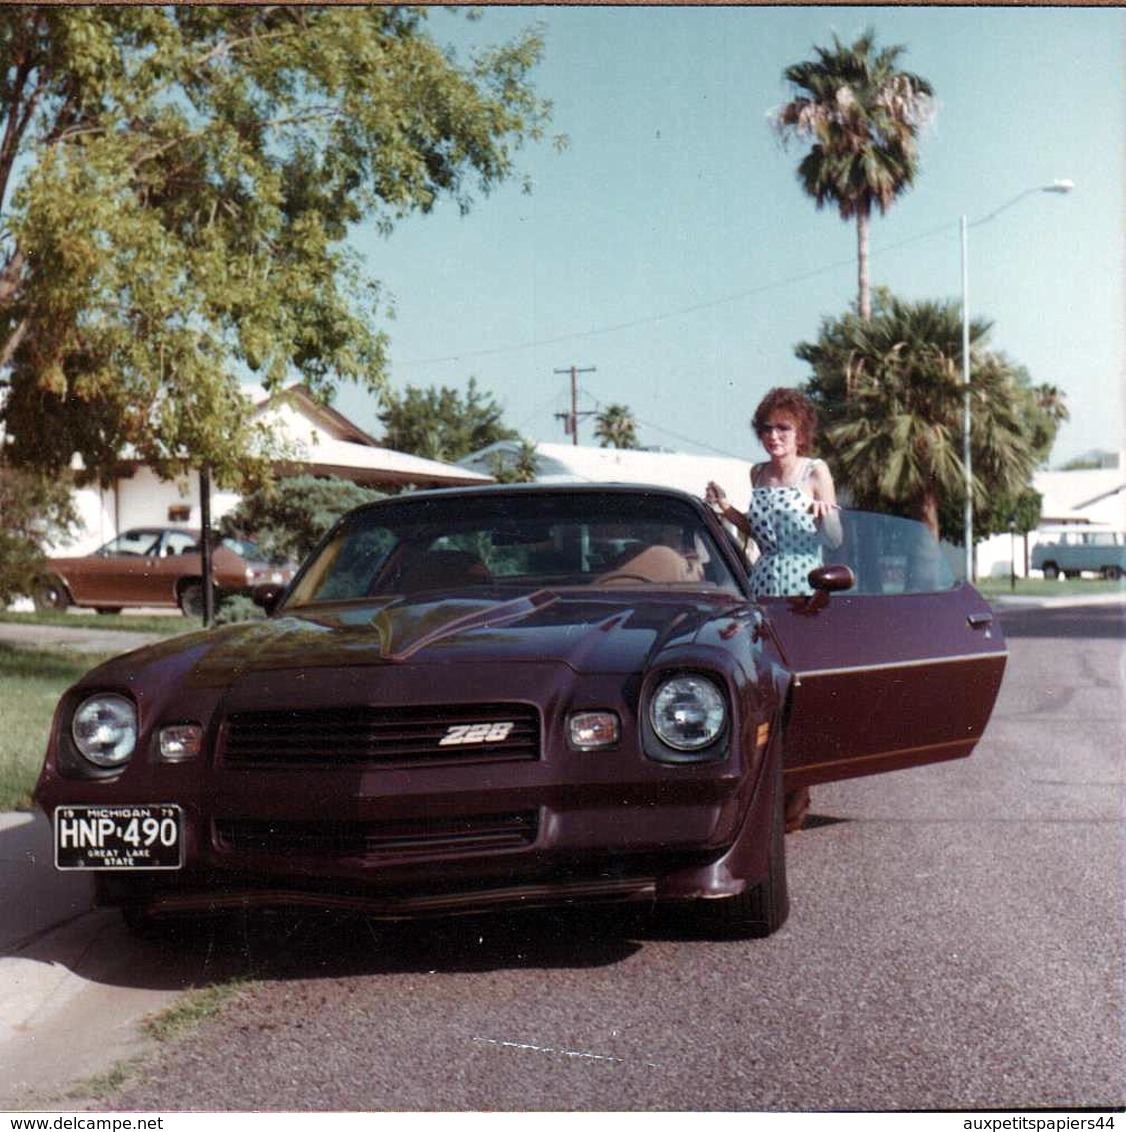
{"x": 832, "y": 579}
{"x": 269, "y": 597}
{"x": 824, "y": 580}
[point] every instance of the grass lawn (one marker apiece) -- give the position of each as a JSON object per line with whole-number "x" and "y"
{"x": 31, "y": 681}
{"x": 1041, "y": 587}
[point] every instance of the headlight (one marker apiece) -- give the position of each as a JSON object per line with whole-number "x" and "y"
{"x": 105, "y": 729}
{"x": 687, "y": 712}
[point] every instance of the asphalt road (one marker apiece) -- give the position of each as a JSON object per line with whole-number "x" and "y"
{"x": 956, "y": 942}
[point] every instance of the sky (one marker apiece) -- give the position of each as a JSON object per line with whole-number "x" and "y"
{"x": 670, "y": 251}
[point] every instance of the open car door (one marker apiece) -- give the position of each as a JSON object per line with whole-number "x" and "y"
{"x": 901, "y": 669}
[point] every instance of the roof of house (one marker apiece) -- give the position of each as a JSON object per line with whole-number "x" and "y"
{"x": 1083, "y": 495}
{"x": 315, "y": 438}
{"x": 325, "y": 417}
{"x": 568, "y": 463}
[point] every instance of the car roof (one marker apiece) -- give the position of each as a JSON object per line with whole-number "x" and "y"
{"x": 493, "y": 490}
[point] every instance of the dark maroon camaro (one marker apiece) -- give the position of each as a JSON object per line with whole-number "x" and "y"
{"x": 513, "y": 697}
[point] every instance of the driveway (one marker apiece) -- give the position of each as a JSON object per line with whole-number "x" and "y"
{"x": 79, "y": 638}
{"x": 74, "y": 987}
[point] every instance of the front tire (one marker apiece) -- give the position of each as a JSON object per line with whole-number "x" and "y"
{"x": 1051, "y": 571}
{"x": 50, "y": 593}
{"x": 190, "y": 599}
{"x": 759, "y": 910}
{"x": 796, "y": 805}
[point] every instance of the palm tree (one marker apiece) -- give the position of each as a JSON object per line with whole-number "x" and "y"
{"x": 890, "y": 391}
{"x": 864, "y": 117}
{"x": 616, "y": 427}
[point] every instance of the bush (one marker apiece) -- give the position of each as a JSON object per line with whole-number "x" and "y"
{"x": 35, "y": 510}
{"x": 238, "y": 608}
{"x": 287, "y": 519}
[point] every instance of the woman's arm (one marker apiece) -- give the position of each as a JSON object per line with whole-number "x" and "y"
{"x": 826, "y": 513}
{"x": 716, "y": 498}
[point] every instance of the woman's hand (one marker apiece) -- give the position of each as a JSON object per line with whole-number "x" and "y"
{"x": 827, "y": 518}
{"x": 716, "y": 498}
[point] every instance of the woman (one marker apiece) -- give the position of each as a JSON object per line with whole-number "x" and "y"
{"x": 793, "y": 513}
{"x": 793, "y": 508}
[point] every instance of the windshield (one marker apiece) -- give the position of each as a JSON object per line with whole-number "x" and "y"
{"x": 243, "y": 547}
{"x": 515, "y": 540}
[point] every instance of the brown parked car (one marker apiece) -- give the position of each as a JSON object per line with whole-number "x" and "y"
{"x": 157, "y": 566}
{"x": 516, "y": 696}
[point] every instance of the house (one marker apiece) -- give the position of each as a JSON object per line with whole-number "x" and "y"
{"x": 1080, "y": 497}
{"x": 316, "y": 439}
{"x": 571, "y": 463}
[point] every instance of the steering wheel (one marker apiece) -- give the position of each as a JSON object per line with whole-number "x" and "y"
{"x": 622, "y": 576}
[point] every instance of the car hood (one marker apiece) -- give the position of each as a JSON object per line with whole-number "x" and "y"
{"x": 612, "y": 633}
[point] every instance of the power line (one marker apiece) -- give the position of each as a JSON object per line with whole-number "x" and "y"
{"x": 669, "y": 432}
{"x": 708, "y": 304}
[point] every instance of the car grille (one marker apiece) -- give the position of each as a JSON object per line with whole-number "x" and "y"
{"x": 328, "y": 838}
{"x": 383, "y": 736}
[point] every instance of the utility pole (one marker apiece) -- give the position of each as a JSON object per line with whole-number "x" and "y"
{"x": 571, "y": 419}
{"x": 207, "y": 568}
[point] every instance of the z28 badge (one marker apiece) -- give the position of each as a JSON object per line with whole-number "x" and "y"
{"x": 464, "y": 733}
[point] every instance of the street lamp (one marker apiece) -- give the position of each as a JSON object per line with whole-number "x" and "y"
{"x": 1061, "y": 186}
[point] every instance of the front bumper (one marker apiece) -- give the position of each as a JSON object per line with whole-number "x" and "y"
{"x": 472, "y": 832}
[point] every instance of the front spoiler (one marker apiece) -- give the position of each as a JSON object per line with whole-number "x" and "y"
{"x": 685, "y": 881}
{"x": 399, "y": 907}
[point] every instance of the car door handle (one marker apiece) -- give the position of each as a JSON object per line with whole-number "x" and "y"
{"x": 980, "y": 620}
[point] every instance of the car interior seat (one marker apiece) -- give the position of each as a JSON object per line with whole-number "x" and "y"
{"x": 653, "y": 564}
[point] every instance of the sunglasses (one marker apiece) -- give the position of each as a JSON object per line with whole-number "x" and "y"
{"x": 764, "y": 429}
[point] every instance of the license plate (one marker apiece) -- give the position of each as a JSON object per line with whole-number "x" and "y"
{"x": 118, "y": 837}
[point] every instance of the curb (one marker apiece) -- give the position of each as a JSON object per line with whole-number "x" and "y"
{"x": 1016, "y": 601}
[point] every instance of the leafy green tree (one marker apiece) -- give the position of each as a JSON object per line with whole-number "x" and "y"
{"x": 35, "y": 509}
{"x": 890, "y": 394}
{"x": 177, "y": 185}
{"x": 863, "y": 116}
{"x": 442, "y": 424}
{"x": 289, "y": 517}
{"x": 615, "y": 427}
{"x": 1043, "y": 408}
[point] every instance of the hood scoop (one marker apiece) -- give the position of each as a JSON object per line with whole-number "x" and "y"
{"x": 404, "y": 630}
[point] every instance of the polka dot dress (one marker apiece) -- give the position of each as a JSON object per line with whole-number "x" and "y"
{"x": 787, "y": 538}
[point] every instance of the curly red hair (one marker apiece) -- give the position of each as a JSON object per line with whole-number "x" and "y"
{"x": 790, "y": 403}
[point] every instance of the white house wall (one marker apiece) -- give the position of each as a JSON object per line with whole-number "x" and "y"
{"x": 97, "y": 522}
{"x": 140, "y": 501}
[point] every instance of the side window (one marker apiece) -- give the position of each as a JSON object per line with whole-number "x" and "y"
{"x": 177, "y": 543}
{"x": 890, "y": 555}
{"x": 133, "y": 544}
